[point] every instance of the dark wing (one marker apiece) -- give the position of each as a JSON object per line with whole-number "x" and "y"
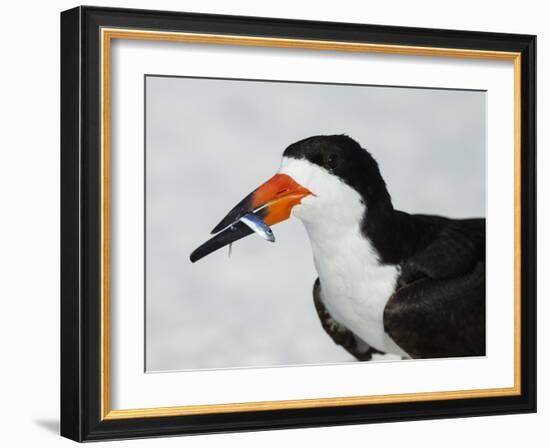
{"x": 455, "y": 250}
{"x": 340, "y": 334}
{"x": 438, "y": 309}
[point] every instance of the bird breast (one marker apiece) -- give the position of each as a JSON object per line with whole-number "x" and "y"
{"x": 355, "y": 285}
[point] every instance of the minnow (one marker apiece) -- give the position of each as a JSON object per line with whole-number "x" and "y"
{"x": 257, "y": 225}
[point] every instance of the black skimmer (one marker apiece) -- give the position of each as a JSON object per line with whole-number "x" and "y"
{"x": 389, "y": 281}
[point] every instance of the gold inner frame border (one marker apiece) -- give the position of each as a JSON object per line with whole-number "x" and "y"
{"x": 107, "y": 35}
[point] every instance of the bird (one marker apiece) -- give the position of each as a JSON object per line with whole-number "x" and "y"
{"x": 389, "y": 281}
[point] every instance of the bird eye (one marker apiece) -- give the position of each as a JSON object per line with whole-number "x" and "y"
{"x": 332, "y": 161}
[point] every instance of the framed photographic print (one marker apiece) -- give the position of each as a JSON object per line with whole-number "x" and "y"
{"x": 273, "y": 223}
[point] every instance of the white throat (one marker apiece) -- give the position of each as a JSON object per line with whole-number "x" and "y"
{"x": 333, "y": 200}
{"x": 355, "y": 285}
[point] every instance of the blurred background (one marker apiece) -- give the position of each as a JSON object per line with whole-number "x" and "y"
{"x": 210, "y": 142}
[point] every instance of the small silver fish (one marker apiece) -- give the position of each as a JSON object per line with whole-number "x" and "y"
{"x": 260, "y": 227}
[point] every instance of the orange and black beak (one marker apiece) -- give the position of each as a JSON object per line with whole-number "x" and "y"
{"x": 272, "y": 202}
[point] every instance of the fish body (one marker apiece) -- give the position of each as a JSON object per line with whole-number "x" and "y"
{"x": 256, "y": 224}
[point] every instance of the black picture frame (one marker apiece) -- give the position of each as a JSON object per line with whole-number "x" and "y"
{"x": 81, "y": 224}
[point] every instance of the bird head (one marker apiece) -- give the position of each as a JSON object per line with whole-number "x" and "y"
{"x": 321, "y": 179}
